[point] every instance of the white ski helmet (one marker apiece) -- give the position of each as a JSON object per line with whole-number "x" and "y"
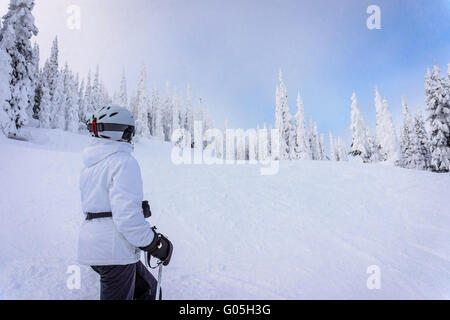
{"x": 114, "y": 123}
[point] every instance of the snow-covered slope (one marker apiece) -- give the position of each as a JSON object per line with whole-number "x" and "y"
{"x": 311, "y": 231}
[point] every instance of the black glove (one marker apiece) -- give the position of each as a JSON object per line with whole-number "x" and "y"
{"x": 160, "y": 248}
{"x": 146, "y": 209}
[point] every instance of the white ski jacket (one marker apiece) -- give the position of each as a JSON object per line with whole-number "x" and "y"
{"x": 111, "y": 182}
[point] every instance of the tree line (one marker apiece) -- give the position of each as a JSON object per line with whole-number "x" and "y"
{"x": 423, "y": 144}
{"x": 55, "y": 98}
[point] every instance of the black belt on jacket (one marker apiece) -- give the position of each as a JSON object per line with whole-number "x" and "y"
{"x": 93, "y": 216}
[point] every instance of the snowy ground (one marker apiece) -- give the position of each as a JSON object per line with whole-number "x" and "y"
{"x": 308, "y": 232}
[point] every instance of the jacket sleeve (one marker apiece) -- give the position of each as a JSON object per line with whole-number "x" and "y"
{"x": 126, "y": 196}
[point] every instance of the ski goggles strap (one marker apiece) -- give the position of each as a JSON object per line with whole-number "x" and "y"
{"x": 95, "y": 127}
{"x": 128, "y": 131}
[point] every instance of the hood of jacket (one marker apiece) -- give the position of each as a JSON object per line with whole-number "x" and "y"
{"x": 100, "y": 149}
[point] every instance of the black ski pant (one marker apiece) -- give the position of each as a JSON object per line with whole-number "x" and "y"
{"x": 128, "y": 282}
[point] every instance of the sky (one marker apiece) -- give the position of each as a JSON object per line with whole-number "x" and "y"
{"x": 230, "y": 52}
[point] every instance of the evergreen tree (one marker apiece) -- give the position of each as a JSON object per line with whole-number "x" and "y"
{"x": 422, "y": 156}
{"x": 17, "y": 29}
{"x": 407, "y": 144}
{"x": 96, "y": 91}
{"x": 167, "y": 113}
{"x": 360, "y": 143}
{"x": 51, "y": 69}
{"x": 36, "y": 79}
{"x": 263, "y": 143}
{"x": 46, "y": 108}
{"x": 83, "y": 117}
{"x": 104, "y": 99}
{"x": 341, "y": 150}
{"x": 7, "y": 115}
{"x": 132, "y": 107}
{"x": 59, "y": 104}
{"x": 88, "y": 105}
{"x": 437, "y": 95}
{"x": 240, "y": 146}
{"x": 158, "y": 131}
{"x": 322, "y": 152}
{"x": 372, "y": 148}
{"x": 72, "y": 106}
{"x": 334, "y": 156}
{"x": 123, "y": 95}
{"x": 176, "y": 111}
{"x": 379, "y": 123}
{"x": 302, "y": 148}
{"x": 386, "y": 137}
{"x": 314, "y": 141}
{"x": 283, "y": 119}
{"x": 189, "y": 117}
{"x": 142, "y": 106}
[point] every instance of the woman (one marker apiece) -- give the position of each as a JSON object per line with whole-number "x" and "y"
{"x": 115, "y": 229}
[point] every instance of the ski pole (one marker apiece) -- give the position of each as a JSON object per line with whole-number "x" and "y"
{"x": 158, "y": 287}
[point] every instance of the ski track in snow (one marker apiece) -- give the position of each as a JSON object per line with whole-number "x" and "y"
{"x": 308, "y": 232}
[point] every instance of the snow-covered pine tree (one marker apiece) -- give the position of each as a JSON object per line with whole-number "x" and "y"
{"x": 341, "y": 150}
{"x": 51, "y": 69}
{"x": 46, "y": 108}
{"x": 302, "y": 148}
{"x": 314, "y": 141}
{"x": 203, "y": 116}
{"x": 379, "y": 123}
{"x": 87, "y": 100}
{"x": 17, "y": 29}
{"x": 322, "y": 152}
{"x": 252, "y": 154}
{"x": 59, "y": 106}
{"x": 422, "y": 157}
{"x": 293, "y": 140}
{"x": 142, "y": 106}
{"x": 333, "y": 155}
{"x": 167, "y": 114}
{"x": 359, "y": 132}
{"x": 437, "y": 94}
{"x": 189, "y": 117}
{"x": 263, "y": 139}
{"x": 372, "y": 148}
{"x": 283, "y": 119}
{"x": 390, "y": 145}
{"x": 82, "y": 107}
{"x": 386, "y": 137}
{"x": 311, "y": 140}
{"x": 104, "y": 98}
{"x": 226, "y": 153}
{"x": 270, "y": 146}
{"x": 72, "y": 106}
{"x": 158, "y": 131}
{"x": 7, "y": 116}
{"x": 132, "y": 106}
{"x": 36, "y": 98}
{"x": 96, "y": 90}
{"x": 176, "y": 111}
{"x": 240, "y": 146}
{"x": 123, "y": 94}
{"x": 407, "y": 139}
{"x": 317, "y": 138}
